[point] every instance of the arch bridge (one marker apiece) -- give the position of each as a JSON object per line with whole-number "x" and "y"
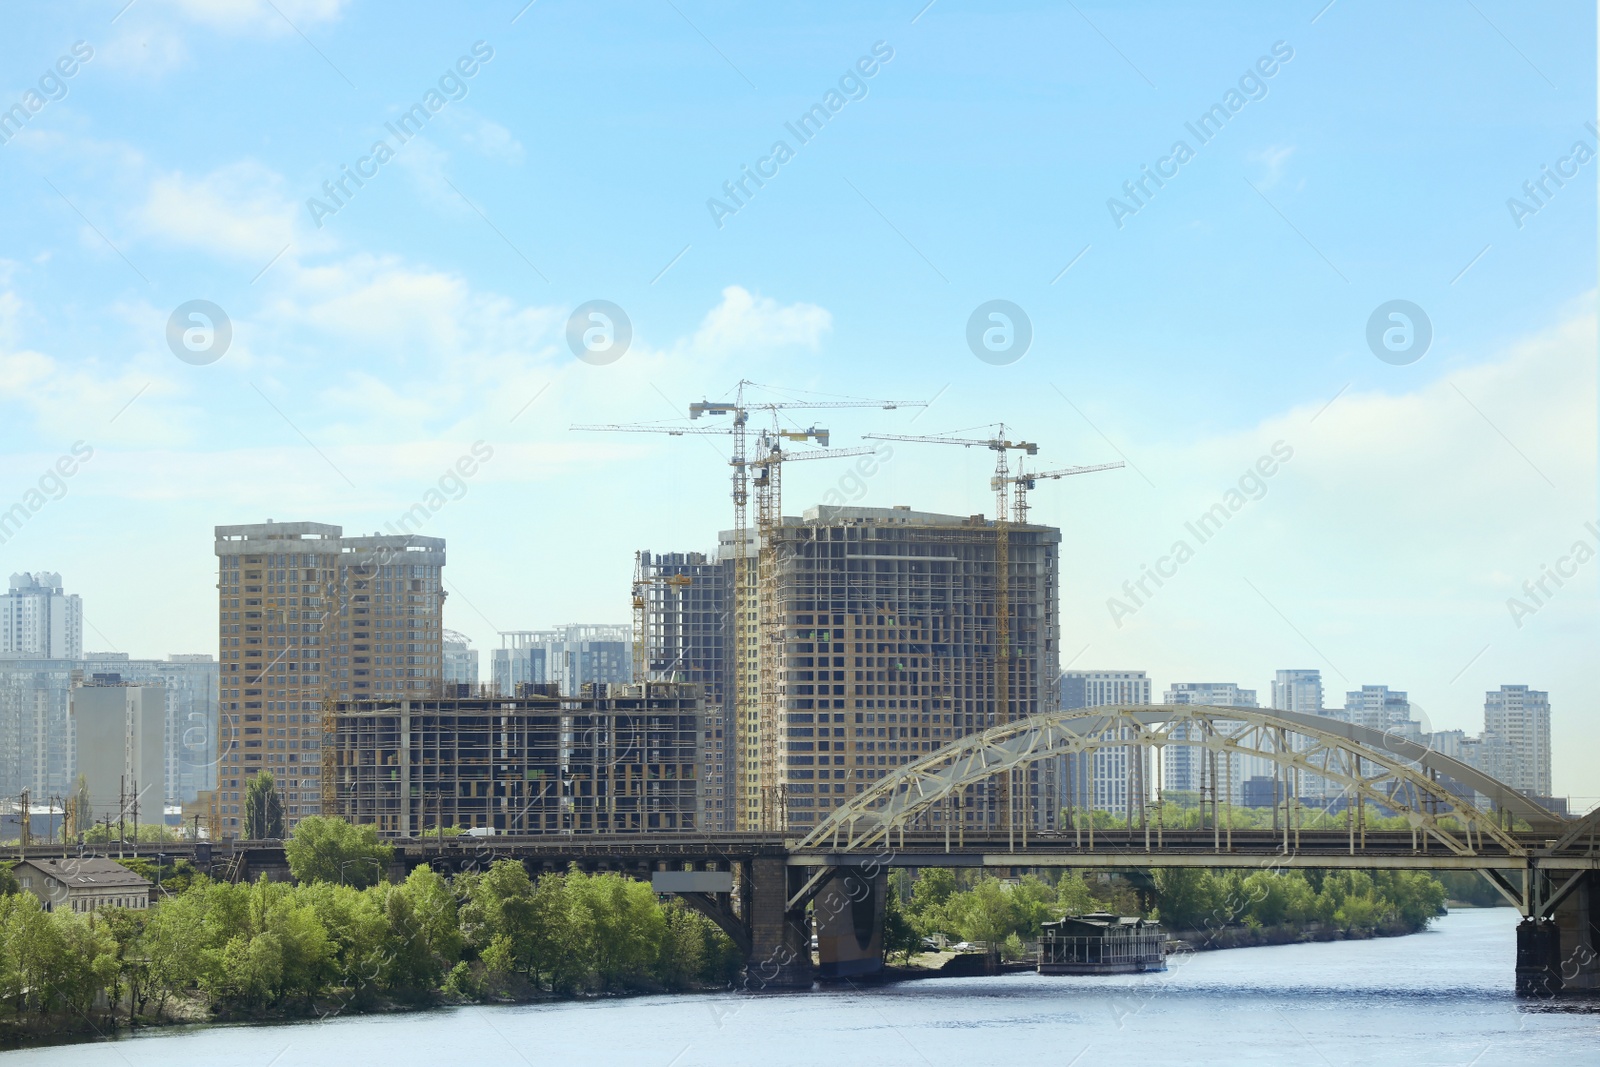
{"x": 1455, "y": 816}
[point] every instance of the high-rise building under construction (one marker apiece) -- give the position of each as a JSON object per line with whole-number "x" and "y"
{"x": 307, "y": 615}
{"x": 885, "y": 624}
{"x": 688, "y": 596}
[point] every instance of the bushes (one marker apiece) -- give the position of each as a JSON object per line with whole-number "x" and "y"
{"x": 274, "y": 948}
{"x": 1354, "y": 903}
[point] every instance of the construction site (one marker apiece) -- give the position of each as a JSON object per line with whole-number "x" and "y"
{"x": 615, "y": 759}
{"x": 839, "y": 645}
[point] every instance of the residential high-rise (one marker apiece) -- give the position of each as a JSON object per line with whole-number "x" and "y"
{"x": 687, "y": 639}
{"x": 567, "y": 657}
{"x": 1377, "y": 707}
{"x": 460, "y": 660}
{"x": 1185, "y": 767}
{"x": 306, "y": 615}
{"x": 1299, "y": 691}
{"x": 119, "y": 742}
{"x": 890, "y": 650}
{"x": 39, "y": 619}
{"x": 1516, "y": 738}
{"x": 1099, "y": 780}
{"x": 35, "y": 724}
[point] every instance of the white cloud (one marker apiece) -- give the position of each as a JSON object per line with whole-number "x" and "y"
{"x": 258, "y": 17}
{"x": 1274, "y": 160}
{"x": 744, "y": 321}
{"x": 238, "y": 212}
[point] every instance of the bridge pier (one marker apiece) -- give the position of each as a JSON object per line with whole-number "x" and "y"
{"x": 780, "y": 941}
{"x": 849, "y": 909}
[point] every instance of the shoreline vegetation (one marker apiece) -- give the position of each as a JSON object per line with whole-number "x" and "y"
{"x": 339, "y": 939}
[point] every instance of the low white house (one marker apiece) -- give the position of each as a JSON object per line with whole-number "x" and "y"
{"x": 82, "y": 883}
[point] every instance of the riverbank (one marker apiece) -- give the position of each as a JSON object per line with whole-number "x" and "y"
{"x": 1442, "y": 997}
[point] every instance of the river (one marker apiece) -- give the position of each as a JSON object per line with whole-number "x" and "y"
{"x": 1439, "y": 997}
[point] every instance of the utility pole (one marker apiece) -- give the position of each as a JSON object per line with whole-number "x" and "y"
{"x": 136, "y": 816}
{"x": 122, "y": 814}
{"x": 24, "y": 820}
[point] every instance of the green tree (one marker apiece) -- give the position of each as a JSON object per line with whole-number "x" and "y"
{"x": 263, "y": 809}
{"x": 325, "y": 849}
{"x": 8, "y": 881}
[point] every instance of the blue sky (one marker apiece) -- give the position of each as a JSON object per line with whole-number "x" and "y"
{"x": 975, "y": 163}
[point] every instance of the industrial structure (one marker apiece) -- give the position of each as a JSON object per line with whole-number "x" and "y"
{"x": 307, "y": 616}
{"x": 615, "y": 759}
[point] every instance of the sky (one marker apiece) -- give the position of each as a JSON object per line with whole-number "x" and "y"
{"x": 396, "y": 218}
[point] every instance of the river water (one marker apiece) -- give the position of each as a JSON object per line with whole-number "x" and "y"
{"x": 1440, "y": 997}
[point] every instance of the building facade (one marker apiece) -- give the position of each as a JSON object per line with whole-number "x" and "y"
{"x": 688, "y": 639}
{"x": 39, "y": 619}
{"x": 306, "y": 615}
{"x": 1516, "y": 738}
{"x": 1378, "y": 707}
{"x": 615, "y": 759}
{"x": 890, "y": 649}
{"x": 1189, "y": 769}
{"x": 119, "y": 734}
{"x": 460, "y": 660}
{"x": 1100, "y": 780}
{"x": 1299, "y": 691}
{"x": 36, "y": 731}
{"x": 82, "y": 883}
{"x": 568, "y": 657}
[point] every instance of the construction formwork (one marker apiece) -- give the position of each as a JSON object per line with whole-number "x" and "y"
{"x": 615, "y": 759}
{"x": 891, "y": 649}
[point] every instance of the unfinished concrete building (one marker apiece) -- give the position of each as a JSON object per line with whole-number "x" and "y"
{"x": 687, "y": 640}
{"x": 891, "y": 649}
{"x": 615, "y": 759}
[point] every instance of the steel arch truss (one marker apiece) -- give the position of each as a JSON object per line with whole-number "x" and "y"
{"x": 1377, "y": 777}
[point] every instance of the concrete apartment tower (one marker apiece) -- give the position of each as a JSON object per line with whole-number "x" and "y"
{"x": 120, "y": 750}
{"x": 1516, "y": 738}
{"x": 306, "y": 614}
{"x": 1185, "y": 768}
{"x": 1099, "y": 780}
{"x": 1298, "y": 690}
{"x": 39, "y": 619}
{"x": 890, "y": 650}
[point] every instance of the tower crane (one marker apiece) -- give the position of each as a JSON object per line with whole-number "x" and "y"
{"x": 1025, "y": 482}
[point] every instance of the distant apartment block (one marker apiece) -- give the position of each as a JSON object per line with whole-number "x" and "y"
{"x": 119, "y": 743}
{"x": 568, "y": 657}
{"x": 1100, "y": 780}
{"x": 1377, "y": 707}
{"x": 1190, "y": 769}
{"x": 1298, "y": 691}
{"x": 39, "y": 619}
{"x": 1516, "y": 738}
{"x": 36, "y": 750}
{"x": 460, "y": 660}
{"x": 306, "y": 615}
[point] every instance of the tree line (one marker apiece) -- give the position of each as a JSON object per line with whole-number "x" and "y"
{"x": 1212, "y": 907}
{"x": 341, "y": 937}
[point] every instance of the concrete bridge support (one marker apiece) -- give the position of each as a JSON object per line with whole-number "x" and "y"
{"x": 780, "y": 939}
{"x": 1559, "y": 953}
{"x": 849, "y": 910}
